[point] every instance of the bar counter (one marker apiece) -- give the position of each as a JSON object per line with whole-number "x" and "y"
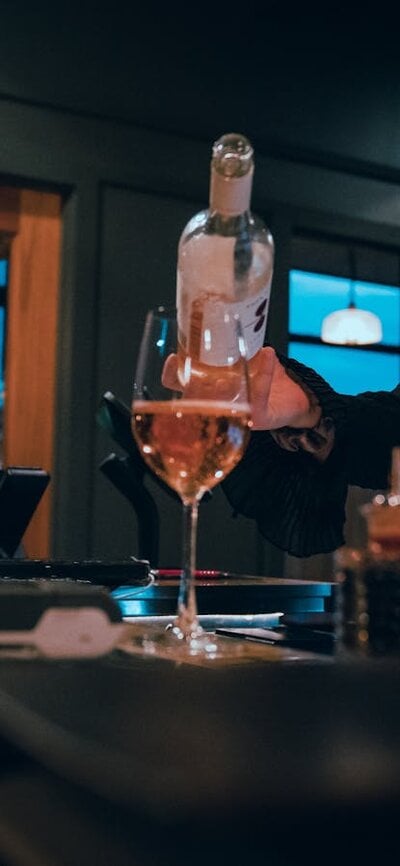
{"x": 133, "y": 760}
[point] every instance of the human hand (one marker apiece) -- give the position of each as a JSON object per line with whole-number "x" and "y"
{"x": 276, "y": 400}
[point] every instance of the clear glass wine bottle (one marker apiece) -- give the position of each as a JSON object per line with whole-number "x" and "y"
{"x": 225, "y": 257}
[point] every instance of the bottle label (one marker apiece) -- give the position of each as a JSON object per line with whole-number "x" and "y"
{"x": 253, "y": 314}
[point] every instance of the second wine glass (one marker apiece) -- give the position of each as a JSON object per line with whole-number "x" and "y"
{"x": 191, "y": 421}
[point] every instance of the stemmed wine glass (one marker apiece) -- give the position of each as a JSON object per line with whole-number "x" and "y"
{"x": 191, "y": 421}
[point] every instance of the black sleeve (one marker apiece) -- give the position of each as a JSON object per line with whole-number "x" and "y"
{"x": 367, "y": 434}
{"x": 298, "y": 502}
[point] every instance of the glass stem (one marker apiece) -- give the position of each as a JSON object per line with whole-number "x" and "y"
{"x": 187, "y": 620}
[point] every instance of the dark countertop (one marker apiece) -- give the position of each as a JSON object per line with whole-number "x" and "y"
{"x": 266, "y": 757}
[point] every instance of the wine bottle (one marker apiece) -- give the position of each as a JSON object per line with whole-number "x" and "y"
{"x": 225, "y": 258}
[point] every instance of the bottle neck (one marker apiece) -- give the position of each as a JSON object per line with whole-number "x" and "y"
{"x": 230, "y": 196}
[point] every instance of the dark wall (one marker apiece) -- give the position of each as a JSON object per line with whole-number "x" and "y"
{"x": 118, "y": 109}
{"x": 310, "y": 79}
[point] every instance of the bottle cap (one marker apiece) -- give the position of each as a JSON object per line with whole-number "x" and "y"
{"x": 232, "y": 155}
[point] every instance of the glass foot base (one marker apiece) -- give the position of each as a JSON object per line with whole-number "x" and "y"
{"x": 200, "y": 647}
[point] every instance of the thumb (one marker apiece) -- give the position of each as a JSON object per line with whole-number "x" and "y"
{"x": 170, "y": 377}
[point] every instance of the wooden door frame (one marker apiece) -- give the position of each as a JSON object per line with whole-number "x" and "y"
{"x": 31, "y": 338}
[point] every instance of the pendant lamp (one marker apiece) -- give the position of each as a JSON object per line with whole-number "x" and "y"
{"x": 351, "y": 326}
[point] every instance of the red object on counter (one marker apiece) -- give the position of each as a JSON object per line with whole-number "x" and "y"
{"x": 200, "y": 573}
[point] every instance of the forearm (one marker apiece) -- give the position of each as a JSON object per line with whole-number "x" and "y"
{"x": 360, "y": 430}
{"x": 293, "y": 480}
{"x": 312, "y": 425}
{"x": 367, "y": 435}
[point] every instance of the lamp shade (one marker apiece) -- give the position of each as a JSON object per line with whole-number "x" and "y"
{"x": 351, "y": 327}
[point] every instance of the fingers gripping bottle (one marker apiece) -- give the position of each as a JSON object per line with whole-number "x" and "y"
{"x": 225, "y": 258}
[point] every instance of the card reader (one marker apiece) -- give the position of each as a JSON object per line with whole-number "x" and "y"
{"x": 57, "y": 619}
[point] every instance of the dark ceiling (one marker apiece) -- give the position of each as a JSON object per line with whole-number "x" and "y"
{"x": 297, "y": 78}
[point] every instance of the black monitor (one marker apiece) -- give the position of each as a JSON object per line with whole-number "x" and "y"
{"x": 21, "y": 489}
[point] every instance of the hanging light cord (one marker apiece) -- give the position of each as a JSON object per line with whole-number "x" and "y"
{"x": 352, "y": 263}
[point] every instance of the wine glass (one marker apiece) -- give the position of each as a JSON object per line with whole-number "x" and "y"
{"x": 191, "y": 421}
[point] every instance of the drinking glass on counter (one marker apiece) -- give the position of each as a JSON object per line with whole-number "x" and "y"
{"x": 191, "y": 421}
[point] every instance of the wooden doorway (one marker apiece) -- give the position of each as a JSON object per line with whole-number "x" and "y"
{"x": 30, "y": 225}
